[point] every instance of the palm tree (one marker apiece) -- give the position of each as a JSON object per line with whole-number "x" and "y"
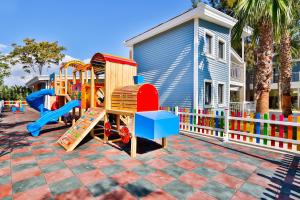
{"x": 290, "y": 31}
{"x": 266, "y": 17}
{"x": 195, "y": 3}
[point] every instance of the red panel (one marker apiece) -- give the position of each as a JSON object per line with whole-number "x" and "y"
{"x": 106, "y": 57}
{"x": 147, "y": 98}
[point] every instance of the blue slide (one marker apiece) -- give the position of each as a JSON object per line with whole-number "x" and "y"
{"x": 36, "y": 101}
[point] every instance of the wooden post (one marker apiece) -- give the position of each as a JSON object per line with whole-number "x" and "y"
{"x": 164, "y": 142}
{"x": 92, "y": 87}
{"x": 266, "y": 117}
{"x": 281, "y": 130}
{"x": 73, "y": 114}
{"x": 273, "y": 130}
{"x": 60, "y": 82}
{"x": 133, "y": 143}
{"x": 290, "y": 131}
{"x": 87, "y": 77}
{"x": 66, "y": 80}
{"x": 257, "y": 128}
{"x": 118, "y": 122}
{"x": 226, "y": 125}
{"x": 251, "y": 126}
{"x": 105, "y": 138}
{"x": 298, "y": 133}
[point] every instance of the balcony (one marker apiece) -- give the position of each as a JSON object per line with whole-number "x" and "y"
{"x": 237, "y": 73}
{"x": 295, "y": 77}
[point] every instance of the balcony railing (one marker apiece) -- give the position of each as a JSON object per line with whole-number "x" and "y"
{"x": 295, "y": 77}
{"x": 237, "y": 73}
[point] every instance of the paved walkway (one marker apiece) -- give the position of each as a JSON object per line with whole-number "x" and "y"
{"x": 38, "y": 168}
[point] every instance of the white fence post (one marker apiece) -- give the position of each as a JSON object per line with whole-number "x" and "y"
{"x": 226, "y": 125}
{"x": 176, "y": 110}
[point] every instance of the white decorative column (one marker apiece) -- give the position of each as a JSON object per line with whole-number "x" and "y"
{"x": 196, "y": 62}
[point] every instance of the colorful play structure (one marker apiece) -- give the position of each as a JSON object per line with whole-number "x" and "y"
{"x": 16, "y": 106}
{"x": 107, "y": 89}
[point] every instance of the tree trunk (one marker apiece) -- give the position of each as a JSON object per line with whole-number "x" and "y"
{"x": 286, "y": 72}
{"x": 264, "y": 66}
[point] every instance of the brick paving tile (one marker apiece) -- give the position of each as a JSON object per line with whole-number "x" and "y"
{"x": 159, "y": 178}
{"x": 6, "y": 190}
{"x": 42, "y": 192}
{"x": 91, "y": 176}
{"x": 80, "y": 193}
{"x": 58, "y": 175}
{"x": 158, "y": 194}
{"x": 119, "y": 194}
{"x": 193, "y": 179}
{"x": 25, "y": 174}
{"x": 187, "y": 164}
{"x": 125, "y": 177}
{"x": 229, "y": 181}
{"x": 200, "y": 196}
{"x": 188, "y": 169}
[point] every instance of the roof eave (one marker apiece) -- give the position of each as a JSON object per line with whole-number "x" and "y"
{"x": 203, "y": 11}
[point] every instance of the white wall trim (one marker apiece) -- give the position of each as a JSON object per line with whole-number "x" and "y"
{"x": 131, "y": 52}
{"x": 224, "y": 60}
{"x": 196, "y": 62}
{"x": 212, "y": 34}
{"x": 229, "y": 69}
{"x": 224, "y": 93}
{"x": 212, "y": 93}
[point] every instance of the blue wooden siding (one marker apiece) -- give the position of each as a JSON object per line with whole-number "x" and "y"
{"x": 212, "y": 68}
{"x": 166, "y": 60}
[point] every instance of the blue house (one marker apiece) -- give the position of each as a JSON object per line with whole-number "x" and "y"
{"x": 190, "y": 60}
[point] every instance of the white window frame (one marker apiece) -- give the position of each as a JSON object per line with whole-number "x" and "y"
{"x": 210, "y": 33}
{"x": 224, "y": 89}
{"x": 225, "y": 45}
{"x": 212, "y": 93}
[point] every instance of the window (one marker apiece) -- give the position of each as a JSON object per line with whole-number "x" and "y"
{"x": 209, "y": 44}
{"x": 208, "y": 93}
{"x": 221, "y": 94}
{"x": 221, "y": 50}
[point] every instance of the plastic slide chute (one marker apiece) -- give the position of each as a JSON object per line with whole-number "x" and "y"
{"x": 34, "y": 128}
{"x": 36, "y": 99}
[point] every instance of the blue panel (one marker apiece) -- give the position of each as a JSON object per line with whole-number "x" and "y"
{"x": 166, "y": 61}
{"x": 212, "y": 68}
{"x": 138, "y": 79}
{"x": 156, "y": 124}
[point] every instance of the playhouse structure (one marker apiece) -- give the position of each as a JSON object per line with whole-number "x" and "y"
{"x": 105, "y": 89}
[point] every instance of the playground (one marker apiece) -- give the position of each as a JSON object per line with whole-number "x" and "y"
{"x": 190, "y": 168}
{"x": 105, "y": 136}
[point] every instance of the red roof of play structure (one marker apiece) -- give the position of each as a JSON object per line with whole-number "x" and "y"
{"x": 102, "y": 58}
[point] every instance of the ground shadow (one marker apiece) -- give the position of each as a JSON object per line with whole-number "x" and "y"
{"x": 13, "y": 125}
{"x": 12, "y": 140}
{"x": 285, "y": 181}
{"x": 57, "y": 128}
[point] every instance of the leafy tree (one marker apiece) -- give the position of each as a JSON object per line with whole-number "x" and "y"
{"x": 34, "y": 56}
{"x": 289, "y": 37}
{"x": 4, "y": 69}
{"x": 14, "y": 92}
{"x": 267, "y": 17}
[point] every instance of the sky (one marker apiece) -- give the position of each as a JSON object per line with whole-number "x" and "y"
{"x": 84, "y": 27}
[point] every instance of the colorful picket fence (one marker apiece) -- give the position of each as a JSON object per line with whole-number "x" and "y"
{"x": 13, "y": 102}
{"x": 273, "y": 131}
{"x": 206, "y": 122}
{"x": 268, "y": 131}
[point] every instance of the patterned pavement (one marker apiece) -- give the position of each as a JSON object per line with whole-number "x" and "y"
{"x": 38, "y": 168}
